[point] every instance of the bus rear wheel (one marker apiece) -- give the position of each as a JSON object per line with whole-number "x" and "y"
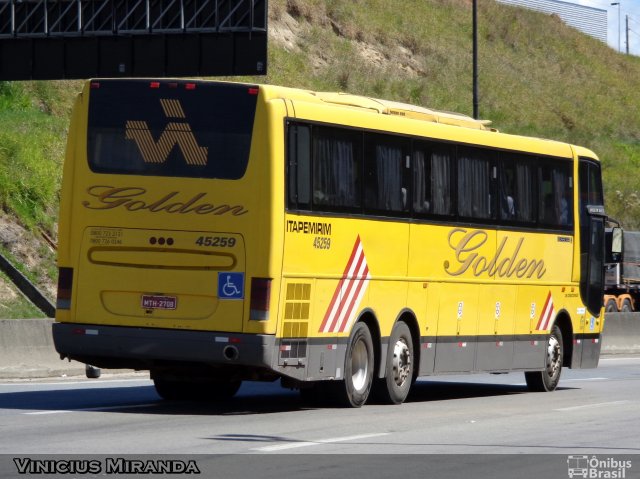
{"x": 185, "y": 390}
{"x": 547, "y": 380}
{"x": 394, "y": 387}
{"x": 358, "y": 369}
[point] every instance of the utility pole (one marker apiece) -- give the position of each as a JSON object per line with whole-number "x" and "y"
{"x": 476, "y": 102}
{"x": 627, "y": 32}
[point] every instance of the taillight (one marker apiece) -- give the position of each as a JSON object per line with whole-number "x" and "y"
{"x": 260, "y": 296}
{"x": 154, "y": 84}
{"x": 253, "y": 91}
{"x": 65, "y": 284}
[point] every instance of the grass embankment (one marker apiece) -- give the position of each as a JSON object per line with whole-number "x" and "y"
{"x": 33, "y": 123}
{"x": 537, "y": 77}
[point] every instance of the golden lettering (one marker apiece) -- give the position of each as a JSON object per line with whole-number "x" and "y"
{"x": 467, "y": 245}
{"x": 133, "y": 199}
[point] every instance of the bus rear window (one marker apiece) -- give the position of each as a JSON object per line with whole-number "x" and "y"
{"x": 170, "y": 128}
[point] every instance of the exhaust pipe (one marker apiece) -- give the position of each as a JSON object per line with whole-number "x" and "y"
{"x": 231, "y": 353}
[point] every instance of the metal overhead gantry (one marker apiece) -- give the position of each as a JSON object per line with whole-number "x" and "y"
{"x": 50, "y": 39}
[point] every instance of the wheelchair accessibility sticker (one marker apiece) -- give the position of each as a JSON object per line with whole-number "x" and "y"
{"x": 231, "y": 285}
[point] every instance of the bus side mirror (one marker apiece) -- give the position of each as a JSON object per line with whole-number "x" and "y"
{"x": 616, "y": 240}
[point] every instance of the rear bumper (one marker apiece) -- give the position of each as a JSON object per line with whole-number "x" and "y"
{"x": 146, "y": 348}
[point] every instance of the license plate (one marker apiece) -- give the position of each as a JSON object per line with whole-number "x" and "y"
{"x": 159, "y": 302}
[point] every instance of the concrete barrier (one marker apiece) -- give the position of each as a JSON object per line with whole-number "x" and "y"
{"x": 621, "y": 333}
{"x": 27, "y": 351}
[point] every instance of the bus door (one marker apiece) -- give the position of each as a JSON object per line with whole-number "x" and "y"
{"x": 592, "y": 244}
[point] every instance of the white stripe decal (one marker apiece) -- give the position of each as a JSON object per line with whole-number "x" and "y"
{"x": 547, "y": 314}
{"x": 349, "y": 293}
{"x": 344, "y": 285}
{"x": 347, "y": 305}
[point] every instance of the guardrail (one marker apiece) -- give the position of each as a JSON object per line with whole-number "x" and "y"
{"x": 27, "y": 351}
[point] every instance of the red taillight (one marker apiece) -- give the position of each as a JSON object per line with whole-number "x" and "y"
{"x": 95, "y": 85}
{"x": 173, "y": 85}
{"x": 253, "y": 91}
{"x": 190, "y": 86}
{"x": 154, "y": 84}
{"x": 65, "y": 284}
{"x": 260, "y": 296}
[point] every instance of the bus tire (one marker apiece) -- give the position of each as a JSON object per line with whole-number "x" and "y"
{"x": 219, "y": 390}
{"x": 547, "y": 380}
{"x": 626, "y": 306}
{"x": 611, "y": 306}
{"x": 395, "y": 386}
{"x": 358, "y": 369}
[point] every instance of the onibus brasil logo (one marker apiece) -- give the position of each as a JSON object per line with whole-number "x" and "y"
{"x": 596, "y": 468}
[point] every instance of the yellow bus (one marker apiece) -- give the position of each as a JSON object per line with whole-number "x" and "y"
{"x": 216, "y": 232}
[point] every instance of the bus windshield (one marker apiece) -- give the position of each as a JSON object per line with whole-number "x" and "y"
{"x": 170, "y": 128}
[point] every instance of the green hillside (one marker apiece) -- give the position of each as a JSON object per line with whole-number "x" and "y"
{"x": 537, "y": 77}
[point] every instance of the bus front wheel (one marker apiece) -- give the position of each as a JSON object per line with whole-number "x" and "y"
{"x": 394, "y": 387}
{"x": 358, "y": 369}
{"x": 547, "y": 379}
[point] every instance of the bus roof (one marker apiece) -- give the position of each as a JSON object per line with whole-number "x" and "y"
{"x": 405, "y": 110}
{"x": 377, "y": 105}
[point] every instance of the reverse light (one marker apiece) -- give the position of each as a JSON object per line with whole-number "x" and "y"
{"x": 260, "y": 296}
{"x": 65, "y": 285}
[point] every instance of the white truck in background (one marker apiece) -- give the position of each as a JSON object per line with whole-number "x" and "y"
{"x": 622, "y": 271}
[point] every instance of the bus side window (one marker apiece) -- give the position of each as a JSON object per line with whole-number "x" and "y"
{"x": 555, "y": 194}
{"x": 299, "y": 166}
{"x": 385, "y": 185}
{"x": 517, "y": 189}
{"x": 336, "y": 169}
{"x": 432, "y": 179}
{"x": 476, "y": 190}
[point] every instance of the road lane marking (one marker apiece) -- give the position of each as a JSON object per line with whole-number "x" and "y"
{"x": 103, "y": 408}
{"x": 589, "y": 406}
{"x": 632, "y": 358}
{"x": 293, "y": 445}
{"x": 586, "y": 379}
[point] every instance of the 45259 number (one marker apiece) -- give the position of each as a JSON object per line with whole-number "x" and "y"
{"x": 216, "y": 241}
{"x": 321, "y": 242}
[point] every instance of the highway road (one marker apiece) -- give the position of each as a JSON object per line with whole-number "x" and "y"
{"x": 593, "y": 411}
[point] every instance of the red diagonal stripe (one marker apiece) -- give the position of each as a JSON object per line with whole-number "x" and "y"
{"x": 544, "y": 312}
{"x": 351, "y": 283}
{"x": 361, "y": 282}
{"x": 336, "y": 293}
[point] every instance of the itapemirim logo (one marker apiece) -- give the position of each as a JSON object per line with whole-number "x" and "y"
{"x": 597, "y": 468}
{"x": 175, "y": 133}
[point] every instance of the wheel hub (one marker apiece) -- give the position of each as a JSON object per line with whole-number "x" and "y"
{"x": 401, "y": 365}
{"x": 553, "y": 356}
{"x": 359, "y": 365}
